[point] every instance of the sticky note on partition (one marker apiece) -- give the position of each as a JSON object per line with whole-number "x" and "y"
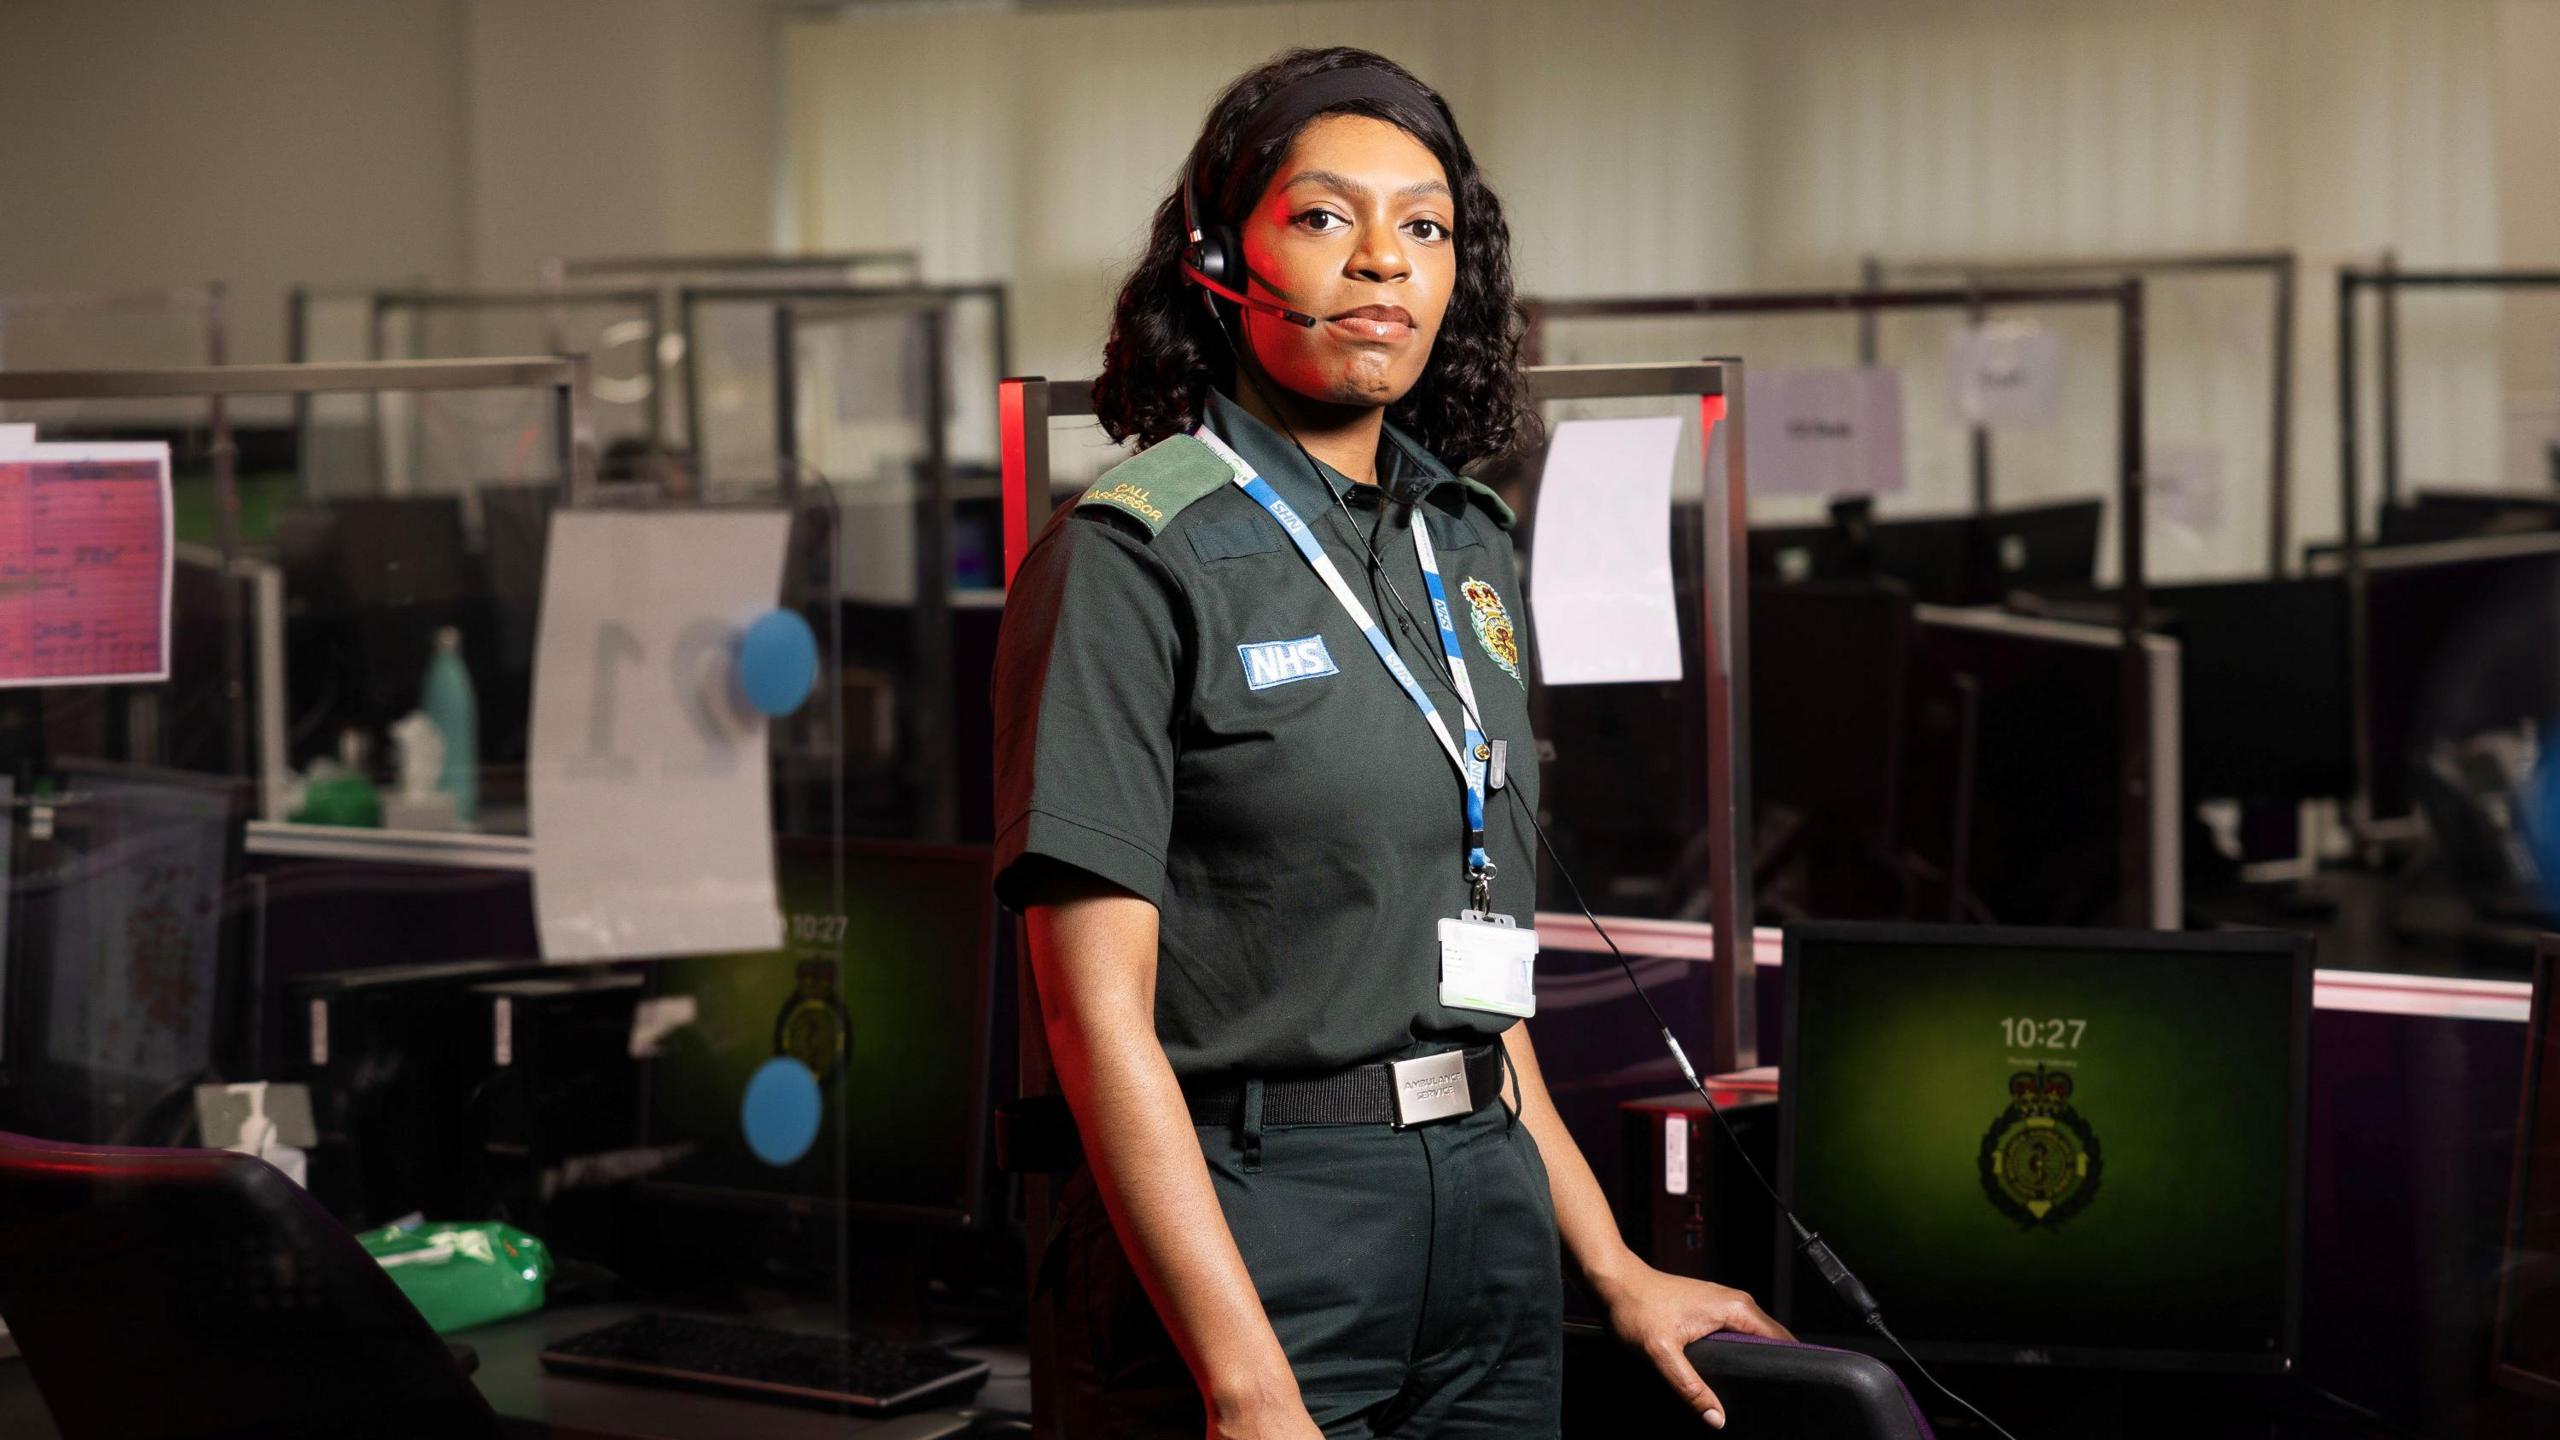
{"x": 86, "y": 550}
{"x": 647, "y": 773}
{"x": 1600, "y": 576}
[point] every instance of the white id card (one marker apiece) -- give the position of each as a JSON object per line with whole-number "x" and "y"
{"x": 1488, "y": 963}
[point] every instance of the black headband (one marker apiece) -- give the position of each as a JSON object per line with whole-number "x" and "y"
{"x": 1299, "y": 101}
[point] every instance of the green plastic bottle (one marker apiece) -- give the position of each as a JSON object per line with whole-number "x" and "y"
{"x": 450, "y": 703}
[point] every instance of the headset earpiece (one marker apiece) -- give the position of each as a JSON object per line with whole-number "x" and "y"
{"x": 1213, "y": 247}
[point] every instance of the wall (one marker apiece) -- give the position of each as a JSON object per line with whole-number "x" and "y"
{"x": 1654, "y": 147}
{"x": 258, "y": 142}
{"x": 267, "y": 143}
{"x": 1034, "y": 144}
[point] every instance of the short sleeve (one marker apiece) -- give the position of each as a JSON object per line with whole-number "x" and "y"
{"x": 1089, "y": 687}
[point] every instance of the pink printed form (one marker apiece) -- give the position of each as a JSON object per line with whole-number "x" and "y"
{"x": 81, "y": 562}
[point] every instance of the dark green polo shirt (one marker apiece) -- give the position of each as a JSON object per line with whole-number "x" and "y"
{"x": 1184, "y": 710}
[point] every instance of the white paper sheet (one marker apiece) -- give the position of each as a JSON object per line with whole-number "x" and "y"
{"x": 1826, "y": 432}
{"x": 87, "y": 552}
{"x": 652, "y": 824}
{"x": 2182, "y": 482}
{"x": 2005, "y": 373}
{"x": 1600, "y": 577}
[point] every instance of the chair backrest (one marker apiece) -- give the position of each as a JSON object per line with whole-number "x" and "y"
{"x": 201, "y": 1293}
{"x": 1772, "y": 1390}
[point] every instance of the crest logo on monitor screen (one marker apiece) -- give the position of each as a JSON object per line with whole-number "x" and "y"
{"x": 813, "y": 1027}
{"x": 2040, "y": 1160}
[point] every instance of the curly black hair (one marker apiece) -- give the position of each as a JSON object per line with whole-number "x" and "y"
{"x": 1166, "y": 353}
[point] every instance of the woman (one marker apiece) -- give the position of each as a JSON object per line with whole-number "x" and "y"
{"x": 1325, "y": 1187}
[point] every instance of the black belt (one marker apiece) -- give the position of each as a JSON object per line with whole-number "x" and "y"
{"x": 1360, "y": 1095}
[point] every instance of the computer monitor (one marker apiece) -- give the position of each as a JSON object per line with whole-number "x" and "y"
{"x": 2016, "y": 763}
{"x": 1931, "y": 555}
{"x": 125, "y": 991}
{"x": 2263, "y": 687}
{"x": 2436, "y": 516}
{"x": 1794, "y": 554}
{"x": 2051, "y": 1147}
{"x": 883, "y": 996}
{"x": 2460, "y": 640}
{"x": 2038, "y": 546}
{"x": 2525, "y": 1339}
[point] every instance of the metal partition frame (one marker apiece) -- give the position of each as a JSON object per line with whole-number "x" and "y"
{"x": 554, "y": 304}
{"x": 669, "y": 275}
{"x": 2387, "y": 280}
{"x": 2125, "y": 295}
{"x": 1027, "y": 405}
{"x": 2281, "y": 266}
{"x": 748, "y": 267}
{"x": 691, "y": 298}
{"x": 564, "y": 376}
{"x": 932, "y": 619}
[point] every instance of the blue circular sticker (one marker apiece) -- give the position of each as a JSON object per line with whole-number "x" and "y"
{"x": 780, "y": 1114}
{"x": 778, "y": 662}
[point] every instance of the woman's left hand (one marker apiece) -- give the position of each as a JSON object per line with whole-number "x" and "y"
{"x": 1662, "y": 1314}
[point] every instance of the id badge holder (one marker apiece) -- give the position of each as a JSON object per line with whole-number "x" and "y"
{"x": 1488, "y": 963}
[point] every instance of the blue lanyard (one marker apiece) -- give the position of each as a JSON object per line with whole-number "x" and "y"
{"x": 1471, "y": 759}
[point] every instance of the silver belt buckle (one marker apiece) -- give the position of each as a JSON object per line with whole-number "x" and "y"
{"x": 1431, "y": 1088}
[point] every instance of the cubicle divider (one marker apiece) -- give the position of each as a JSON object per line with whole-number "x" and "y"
{"x": 207, "y": 301}
{"x": 396, "y": 324}
{"x": 2386, "y": 280}
{"x": 733, "y": 419}
{"x": 2281, "y": 268}
{"x": 2124, "y": 299}
{"x": 564, "y": 379}
{"x": 670, "y": 275}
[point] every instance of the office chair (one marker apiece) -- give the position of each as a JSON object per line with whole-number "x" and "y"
{"x": 163, "y": 1293}
{"x": 1772, "y": 1390}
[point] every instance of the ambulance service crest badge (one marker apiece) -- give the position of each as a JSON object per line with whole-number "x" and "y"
{"x": 1493, "y": 626}
{"x": 2040, "y": 1160}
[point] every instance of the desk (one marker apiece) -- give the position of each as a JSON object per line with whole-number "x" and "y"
{"x": 533, "y": 1403}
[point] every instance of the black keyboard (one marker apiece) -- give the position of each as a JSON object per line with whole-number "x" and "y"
{"x": 851, "y": 1370}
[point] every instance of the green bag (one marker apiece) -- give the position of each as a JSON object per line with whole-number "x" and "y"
{"x": 463, "y": 1275}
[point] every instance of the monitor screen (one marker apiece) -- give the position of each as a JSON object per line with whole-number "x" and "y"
{"x": 2050, "y": 1147}
{"x": 848, "y": 1069}
{"x": 2460, "y": 641}
{"x": 2263, "y": 687}
{"x": 2526, "y": 1353}
{"x": 125, "y": 988}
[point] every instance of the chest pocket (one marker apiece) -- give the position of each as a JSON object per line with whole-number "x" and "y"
{"x": 1235, "y": 539}
{"x": 1451, "y": 532}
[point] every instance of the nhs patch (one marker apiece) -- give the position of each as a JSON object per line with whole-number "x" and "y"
{"x": 1277, "y": 662}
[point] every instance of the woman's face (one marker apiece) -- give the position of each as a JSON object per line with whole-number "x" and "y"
{"x": 1357, "y": 229}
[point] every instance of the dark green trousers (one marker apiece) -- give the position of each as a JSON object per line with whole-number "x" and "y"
{"x": 1412, "y": 1276}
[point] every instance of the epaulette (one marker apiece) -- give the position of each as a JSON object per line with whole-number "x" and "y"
{"x": 1156, "y": 484}
{"x": 1493, "y": 502}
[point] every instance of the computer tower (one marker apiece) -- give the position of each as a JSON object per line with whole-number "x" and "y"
{"x": 389, "y": 1055}
{"x": 1686, "y": 1203}
{"x": 554, "y": 1101}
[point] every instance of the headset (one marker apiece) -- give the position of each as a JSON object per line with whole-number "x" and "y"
{"x": 1214, "y": 259}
